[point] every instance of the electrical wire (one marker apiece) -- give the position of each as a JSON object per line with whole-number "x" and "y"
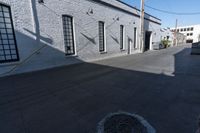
{"x": 174, "y": 13}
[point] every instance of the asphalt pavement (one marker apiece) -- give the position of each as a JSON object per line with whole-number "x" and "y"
{"x": 161, "y": 86}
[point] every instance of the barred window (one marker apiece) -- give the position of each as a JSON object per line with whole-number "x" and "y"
{"x": 8, "y": 46}
{"x": 135, "y": 38}
{"x": 101, "y": 36}
{"x": 68, "y": 35}
{"x": 121, "y": 37}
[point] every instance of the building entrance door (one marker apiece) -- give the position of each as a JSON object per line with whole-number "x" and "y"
{"x": 147, "y": 40}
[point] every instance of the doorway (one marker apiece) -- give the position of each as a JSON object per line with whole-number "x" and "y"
{"x": 147, "y": 40}
{"x": 189, "y": 41}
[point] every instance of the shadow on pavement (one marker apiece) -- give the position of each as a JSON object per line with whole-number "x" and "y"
{"x": 75, "y": 98}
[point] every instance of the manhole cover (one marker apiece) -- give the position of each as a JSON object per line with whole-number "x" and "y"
{"x": 123, "y": 122}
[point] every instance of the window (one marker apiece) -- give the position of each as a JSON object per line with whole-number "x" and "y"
{"x": 121, "y": 37}
{"x": 188, "y": 29}
{"x": 8, "y": 46}
{"x": 191, "y": 34}
{"x": 135, "y": 38}
{"x": 167, "y": 37}
{"x": 68, "y": 35}
{"x": 192, "y": 29}
{"x": 181, "y": 30}
{"x": 177, "y": 30}
{"x": 101, "y": 36}
{"x": 188, "y": 34}
{"x": 184, "y": 29}
{"x": 189, "y": 41}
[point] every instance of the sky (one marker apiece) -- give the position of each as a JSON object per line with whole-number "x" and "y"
{"x": 180, "y": 6}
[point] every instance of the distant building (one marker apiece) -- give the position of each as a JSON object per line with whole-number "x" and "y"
{"x": 181, "y": 38}
{"x": 191, "y": 32}
{"x": 166, "y": 34}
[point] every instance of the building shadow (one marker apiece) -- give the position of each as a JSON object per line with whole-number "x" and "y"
{"x": 92, "y": 40}
{"x": 115, "y": 39}
{"x": 36, "y": 51}
{"x": 36, "y": 20}
{"x": 86, "y": 92}
{"x": 40, "y": 56}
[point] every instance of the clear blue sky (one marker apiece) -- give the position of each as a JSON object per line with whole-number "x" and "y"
{"x": 173, "y": 6}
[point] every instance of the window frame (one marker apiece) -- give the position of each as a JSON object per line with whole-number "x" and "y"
{"x": 135, "y": 38}
{"x": 122, "y": 37}
{"x": 12, "y": 59}
{"x": 74, "y": 53}
{"x": 104, "y": 37}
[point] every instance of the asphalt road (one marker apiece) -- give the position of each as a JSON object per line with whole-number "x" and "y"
{"x": 161, "y": 86}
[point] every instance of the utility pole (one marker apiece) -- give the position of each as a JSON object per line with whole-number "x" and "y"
{"x": 142, "y": 27}
{"x": 175, "y": 33}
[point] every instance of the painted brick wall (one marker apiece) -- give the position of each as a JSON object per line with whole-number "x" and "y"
{"x": 40, "y": 26}
{"x": 86, "y": 26}
{"x": 23, "y": 25}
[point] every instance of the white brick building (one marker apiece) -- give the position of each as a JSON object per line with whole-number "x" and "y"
{"x": 40, "y": 34}
{"x": 192, "y": 32}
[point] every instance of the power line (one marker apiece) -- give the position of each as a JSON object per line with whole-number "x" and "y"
{"x": 174, "y": 13}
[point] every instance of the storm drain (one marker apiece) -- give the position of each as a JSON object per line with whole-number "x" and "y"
{"x": 123, "y": 122}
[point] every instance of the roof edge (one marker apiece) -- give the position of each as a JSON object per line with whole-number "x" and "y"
{"x": 137, "y": 9}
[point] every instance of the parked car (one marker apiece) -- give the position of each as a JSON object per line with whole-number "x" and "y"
{"x": 158, "y": 45}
